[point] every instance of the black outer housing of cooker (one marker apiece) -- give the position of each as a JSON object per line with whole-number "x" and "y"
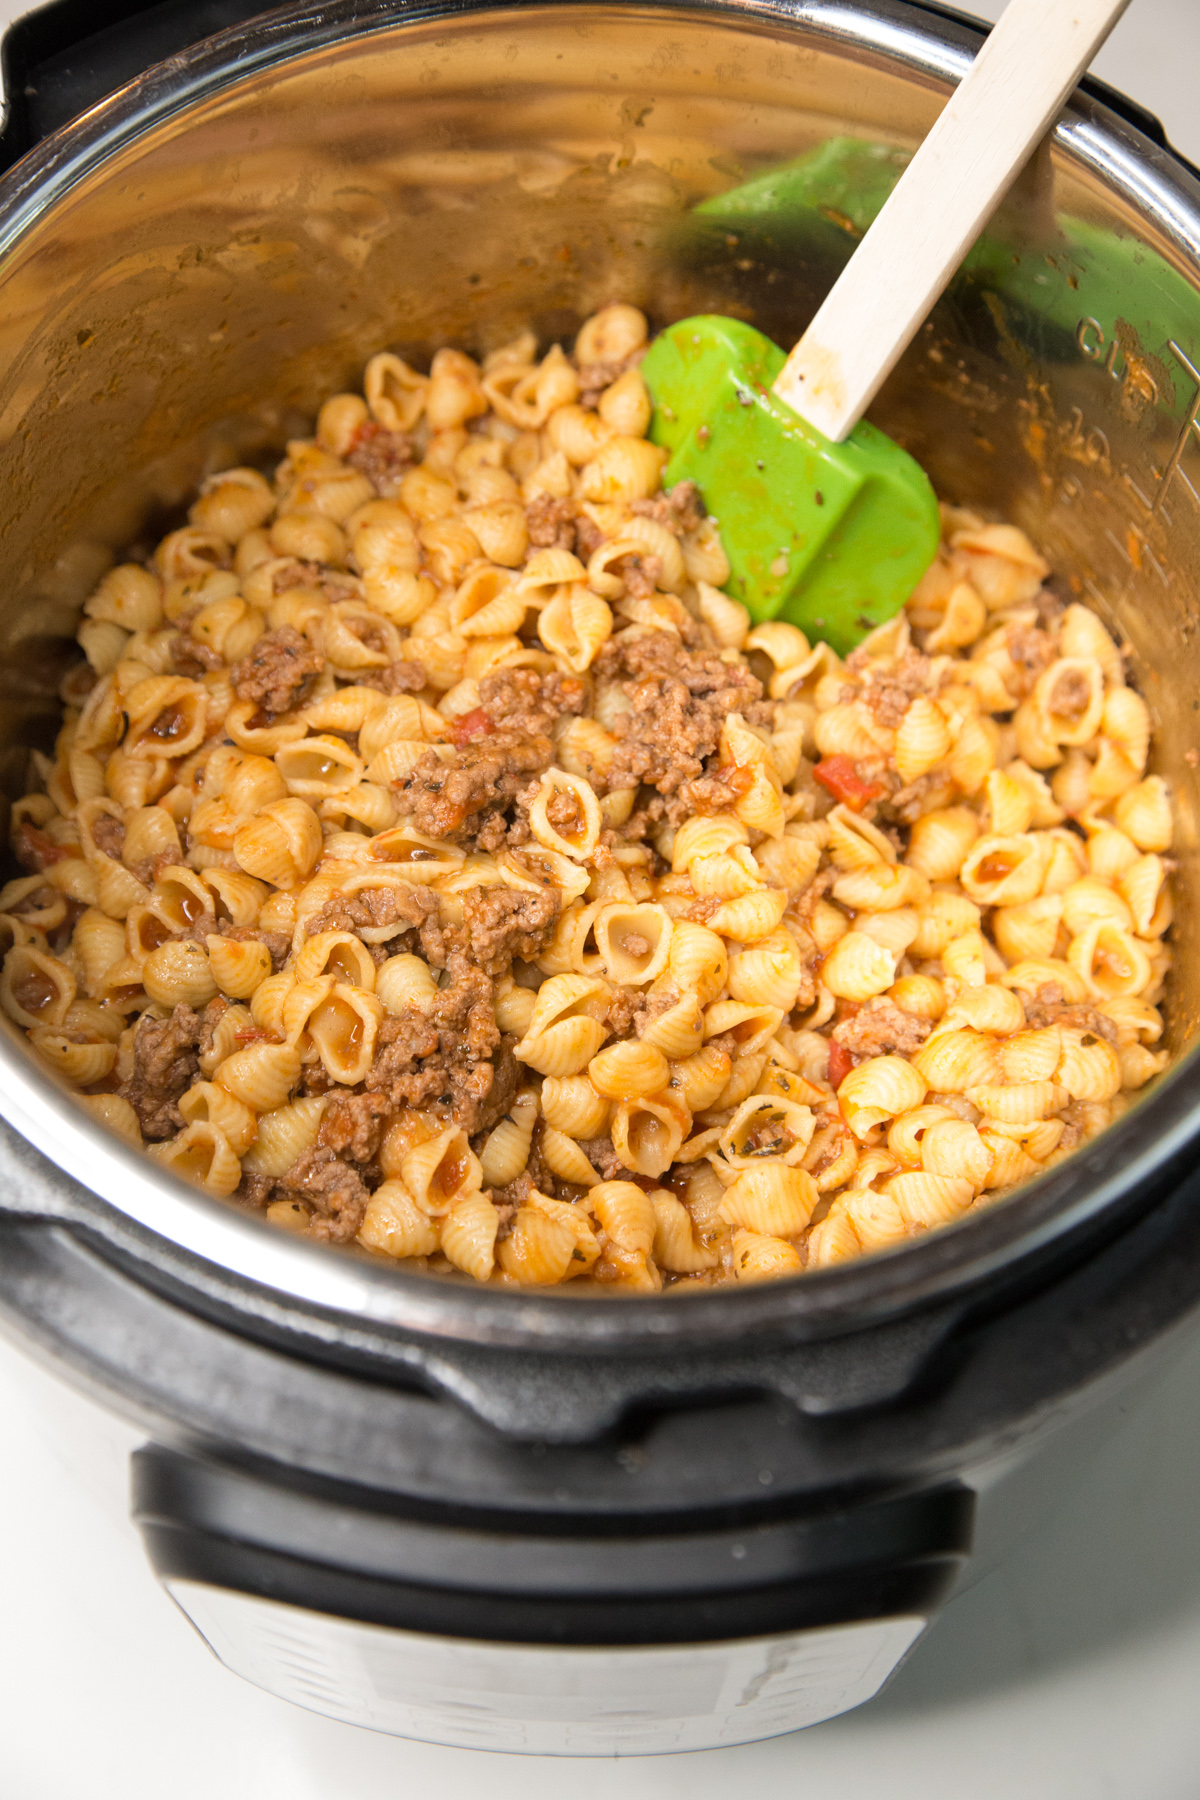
{"x": 550, "y": 1496}
{"x": 760, "y": 1488}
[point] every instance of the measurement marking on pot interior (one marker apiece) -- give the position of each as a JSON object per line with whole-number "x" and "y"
{"x": 1189, "y": 425}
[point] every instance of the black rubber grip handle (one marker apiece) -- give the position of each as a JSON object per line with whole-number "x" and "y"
{"x": 63, "y": 58}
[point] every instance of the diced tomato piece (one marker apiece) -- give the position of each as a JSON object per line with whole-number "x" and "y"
{"x": 840, "y": 1064}
{"x": 251, "y": 1035}
{"x": 839, "y": 775}
{"x": 474, "y": 724}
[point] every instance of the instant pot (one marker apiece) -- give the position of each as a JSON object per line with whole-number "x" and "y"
{"x": 540, "y": 1520}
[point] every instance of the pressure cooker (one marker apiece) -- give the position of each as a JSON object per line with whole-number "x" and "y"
{"x": 528, "y": 1520}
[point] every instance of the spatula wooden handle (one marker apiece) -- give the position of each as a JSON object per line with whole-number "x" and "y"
{"x": 1028, "y": 65}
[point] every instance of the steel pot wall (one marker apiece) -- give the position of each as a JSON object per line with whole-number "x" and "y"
{"x": 187, "y": 269}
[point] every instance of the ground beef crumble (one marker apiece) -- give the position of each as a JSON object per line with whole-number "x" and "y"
{"x": 680, "y": 700}
{"x": 596, "y": 376}
{"x": 397, "y": 678}
{"x": 352, "y": 1124}
{"x": 681, "y": 511}
{"x": 889, "y": 693}
{"x": 631, "y": 1013}
{"x": 166, "y": 1061}
{"x": 405, "y": 907}
{"x": 192, "y": 658}
{"x": 1049, "y": 1007}
{"x": 336, "y": 1191}
{"x": 624, "y": 1007}
{"x": 256, "y": 1190}
{"x": 449, "y": 1055}
{"x": 560, "y": 524}
{"x": 440, "y": 1057}
{"x": 604, "y": 1159}
{"x": 211, "y": 1017}
{"x": 506, "y": 1080}
{"x": 880, "y": 1028}
{"x": 770, "y": 1136}
{"x": 383, "y": 457}
{"x": 469, "y": 800}
{"x": 108, "y": 835}
{"x": 522, "y": 700}
{"x": 509, "y": 1200}
{"x": 905, "y": 803}
{"x": 36, "y": 851}
{"x": 641, "y": 575}
{"x": 335, "y": 584}
{"x": 588, "y": 537}
{"x": 1030, "y": 651}
{"x": 503, "y": 923}
{"x": 147, "y": 870}
{"x": 1070, "y": 693}
{"x": 278, "y": 943}
{"x": 802, "y": 908}
{"x": 278, "y": 672}
{"x": 1078, "y": 1124}
{"x": 550, "y": 523}
{"x": 481, "y": 798}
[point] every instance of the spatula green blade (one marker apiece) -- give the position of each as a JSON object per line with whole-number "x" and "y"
{"x": 831, "y": 537}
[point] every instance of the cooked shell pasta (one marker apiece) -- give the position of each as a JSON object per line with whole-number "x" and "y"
{"x": 759, "y": 1257}
{"x": 677, "y": 1247}
{"x": 468, "y": 1235}
{"x": 538, "y": 1250}
{"x": 930, "y": 1199}
{"x": 648, "y": 1132}
{"x": 202, "y": 1155}
{"x": 773, "y": 1199}
{"x": 506, "y": 1151}
{"x": 435, "y": 857}
{"x": 394, "y": 1224}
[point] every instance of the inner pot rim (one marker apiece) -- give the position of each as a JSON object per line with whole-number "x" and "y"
{"x": 140, "y": 1206}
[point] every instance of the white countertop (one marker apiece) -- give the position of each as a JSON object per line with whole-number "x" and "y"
{"x": 1070, "y": 1672}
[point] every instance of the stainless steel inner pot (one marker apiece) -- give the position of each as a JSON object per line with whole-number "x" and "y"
{"x": 189, "y": 268}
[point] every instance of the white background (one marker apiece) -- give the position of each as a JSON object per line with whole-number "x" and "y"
{"x": 1070, "y": 1672}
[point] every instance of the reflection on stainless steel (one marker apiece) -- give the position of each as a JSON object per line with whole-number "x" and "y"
{"x": 190, "y": 268}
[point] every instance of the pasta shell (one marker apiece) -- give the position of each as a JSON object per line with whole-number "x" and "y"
{"x": 834, "y": 1240}
{"x": 468, "y": 1235}
{"x": 758, "y": 1257}
{"x": 506, "y": 1151}
{"x": 676, "y": 1246}
{"x": 767, "y": 1127}
{"x": 394, "y": 1224}
{"x": 927, "y": 1200}
{"x": 624, "y": 1214}
{"x": 284, "y": 1134}
{"x": 772, "y": 1199}
{"x": 202, "y": 1155}
{"x": 647, "y": 1132}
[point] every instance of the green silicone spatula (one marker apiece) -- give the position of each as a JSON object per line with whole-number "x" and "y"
{"x": 827, "y": 522}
